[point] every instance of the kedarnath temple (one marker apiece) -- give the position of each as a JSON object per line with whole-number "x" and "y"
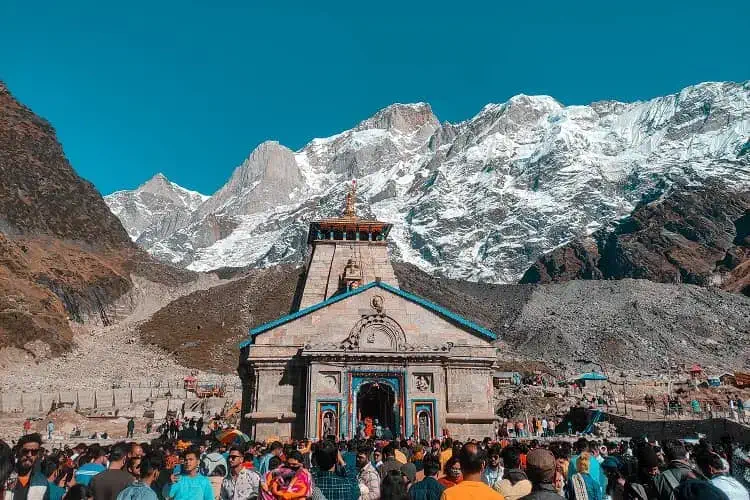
{"x": 362, "y": 357}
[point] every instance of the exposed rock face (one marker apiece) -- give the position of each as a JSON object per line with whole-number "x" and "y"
{"x": 693, "y": 235}
{"x": 481, "y": 199}
{"x": 62, "y": 252}
{"x": 40, "y": 194}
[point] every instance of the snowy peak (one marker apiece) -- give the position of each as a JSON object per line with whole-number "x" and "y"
{"x": 404, "y": 118}
{"x": 480, "y": 199}
{"x": 151, "y": 203}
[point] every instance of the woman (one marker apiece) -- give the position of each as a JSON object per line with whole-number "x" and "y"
{"x": 582, "y": 485}
{"x": 452, "y": 473}
{"x": 393, "y": 487}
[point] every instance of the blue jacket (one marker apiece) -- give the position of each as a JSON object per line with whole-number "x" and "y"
{"x": 137, "y": 491}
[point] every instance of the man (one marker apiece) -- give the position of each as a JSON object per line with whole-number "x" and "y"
{"x": 367, "y": 475}
{"x": 642, "y": 487}
{"x": 389, "y": 463}
{"x": 31, "y": 483}
{"x": 141, "y": 490}
{"x": 50, "y": 429}
{"x": 472, "y": 465}
{"x": 514, "y": 483}
{"x": 678, "y": 470}
{"x": 493, "y": 472}
{"x": 133, "y": 463}
{"x": 241, "y": 483}
{"x": 190, "y": 485}
{"x": 97, "y": 460}
{"x": 540, "y": 467}
{"x": 26, "y": 426}
{"x": 711, "y": 465}
{"x": 273, "y": 451}
{"x": 108, "y": 484}
{"x": 428, "y": 488}
{"x": 131, "y": 427}
{"x": 434, "y": 450}
{"x": 334, "y": 486}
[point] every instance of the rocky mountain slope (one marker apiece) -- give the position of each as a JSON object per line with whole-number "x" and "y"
{"x": 630, "y": 325}
{"x": 63, "y": 254}
{"x": 481, "y": 199}
{"x": 699, "y": 235}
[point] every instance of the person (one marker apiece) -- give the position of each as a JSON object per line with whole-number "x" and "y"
{"x": 133, "y": 462}
{"x": 291, "y": 481}
{"x": 713, "y": 468}
{"x": 642, "y": 486}
{"x": 582, "y": 485}
{"x": 695, "y": 489}
{"x": 428, "y": 488}
{"x": 472, "y": 486}
{"x": 141, "y": 489}
{"x": 333, "y": 486}
{"x": 241, "y": 483}
{"x": 389, "y": 463}
{"x": 452, "y": 473}
{"x": 273, "y": 451}
{"x": 31, "y": 484}
{"x": 393, "y": 486}
{"x": 108, "y": 484}
{"x": 131, "y": 427}
{"x": 595, "y": 470}
{"x": 514, "y": 483}
{"x": 540, "y": 468}
{"x": 446, "y": 452}
{"x": 368, "y": 476}
{"x": 95, "y": 459}
{"x": 493, "y": 471}
{"x": 190, "y": 484}
{"x": 78, "y": 492}
{"x": 377, "y": 458}
{"x": 50, "y": 429}
{"x": 26, "y": 426}
{"x": 678, "y": 470}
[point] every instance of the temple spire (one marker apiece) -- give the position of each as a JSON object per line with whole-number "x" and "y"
{"x": 349, "y": 204}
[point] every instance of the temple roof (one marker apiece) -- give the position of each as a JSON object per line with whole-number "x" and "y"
{"x": 445, "y": 313}
{"x": 349, "y": 221}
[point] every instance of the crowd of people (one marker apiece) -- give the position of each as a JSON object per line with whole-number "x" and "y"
{"x": 369, "y": 469}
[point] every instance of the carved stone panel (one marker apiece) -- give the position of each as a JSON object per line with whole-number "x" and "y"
{"x": 329, "y": 382}
{"x": 422, "y": 382}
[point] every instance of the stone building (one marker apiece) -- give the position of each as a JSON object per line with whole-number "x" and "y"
{"x": 361, "y": 356}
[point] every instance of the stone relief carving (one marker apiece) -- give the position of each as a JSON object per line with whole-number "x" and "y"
{"x": 377, "y": 303}
{"x": 330, "y": 381}
{"x": 423, "y": 382}
{"x": 379, "y": 331}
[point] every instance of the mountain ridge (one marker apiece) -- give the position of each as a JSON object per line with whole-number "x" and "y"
{"x": 480, "y": 199}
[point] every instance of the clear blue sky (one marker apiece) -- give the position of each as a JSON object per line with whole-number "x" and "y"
{"x": 189, "y": 88}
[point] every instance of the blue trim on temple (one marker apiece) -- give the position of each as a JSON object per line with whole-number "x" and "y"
{"x": 484, "y": 332}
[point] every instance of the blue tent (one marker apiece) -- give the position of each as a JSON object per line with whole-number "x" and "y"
{"x": 592, "y": 376}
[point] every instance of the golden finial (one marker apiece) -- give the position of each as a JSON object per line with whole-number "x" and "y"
{"x": 349, "y": 208}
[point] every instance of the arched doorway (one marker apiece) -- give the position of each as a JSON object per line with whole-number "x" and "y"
{"x": 376, "y": 406}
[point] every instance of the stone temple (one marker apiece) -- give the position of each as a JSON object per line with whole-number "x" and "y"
{"x": 362, "y": 357}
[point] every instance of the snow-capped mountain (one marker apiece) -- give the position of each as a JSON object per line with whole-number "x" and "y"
{"x": 479, "y": 199}
{"x": 155, "y": 209}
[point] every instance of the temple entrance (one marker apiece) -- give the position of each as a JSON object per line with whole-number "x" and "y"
{"x": 377, "y": 411}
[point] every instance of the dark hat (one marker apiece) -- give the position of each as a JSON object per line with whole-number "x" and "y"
{"x": 410, "y": 471}
{"x": 540, "y": 466}
{"x": 647, "y": 458}
{"x": 695, "y": 489}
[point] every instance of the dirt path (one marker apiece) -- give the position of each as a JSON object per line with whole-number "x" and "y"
{"x": 105, "y": 355}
